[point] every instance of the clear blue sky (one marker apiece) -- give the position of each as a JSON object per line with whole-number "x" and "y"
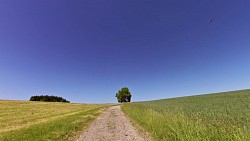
{"x": 86, "y": 50}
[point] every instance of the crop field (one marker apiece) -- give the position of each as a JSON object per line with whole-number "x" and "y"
{"x": 39, "y": 121}
{"x": 211, "y": 117}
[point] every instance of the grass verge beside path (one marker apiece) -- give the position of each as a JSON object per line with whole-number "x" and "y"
{"x": 67, "y": 125}
{"x": 221, "y": 116}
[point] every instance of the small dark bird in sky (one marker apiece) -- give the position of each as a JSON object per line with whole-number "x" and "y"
{"x": 210, "y": 21}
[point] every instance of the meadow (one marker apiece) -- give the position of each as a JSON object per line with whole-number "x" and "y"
{"x": 211, "y": 117}
{"x": 39, "y": 121}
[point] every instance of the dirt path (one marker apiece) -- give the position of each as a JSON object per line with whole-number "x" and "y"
{"x": 112, "y": 125}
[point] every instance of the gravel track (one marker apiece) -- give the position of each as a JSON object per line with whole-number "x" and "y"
{"x": 112, "y": 125}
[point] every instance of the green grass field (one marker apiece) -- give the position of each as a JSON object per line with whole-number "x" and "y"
{"x": 39, "y": 121}
{"x": 212, "y": 117}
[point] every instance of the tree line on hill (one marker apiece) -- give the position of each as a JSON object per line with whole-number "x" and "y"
{"x": 48, "y": 98}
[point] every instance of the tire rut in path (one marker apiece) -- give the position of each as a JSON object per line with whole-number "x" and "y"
{"x": 112, "y": 125}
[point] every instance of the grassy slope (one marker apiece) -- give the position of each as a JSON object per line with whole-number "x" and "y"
{"x": 36, "y": 121}
{"x": 221, "y": 116}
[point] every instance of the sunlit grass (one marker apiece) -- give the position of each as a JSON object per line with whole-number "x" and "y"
{"x": 20, "y": 120}
{"x": 222, "y": 116}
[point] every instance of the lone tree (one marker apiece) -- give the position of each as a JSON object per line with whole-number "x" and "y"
{"x": 123, "y": 95}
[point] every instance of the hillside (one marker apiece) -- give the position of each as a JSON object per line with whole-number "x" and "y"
{"x": 29, "y": 121}
{"x": 218, "y": 116}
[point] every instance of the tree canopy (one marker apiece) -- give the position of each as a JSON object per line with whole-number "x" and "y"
{"x": 123, "y": 95}
{"x": 48, "y": 98}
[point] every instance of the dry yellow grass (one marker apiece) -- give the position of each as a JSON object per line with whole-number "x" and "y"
{"x": 18, "y": 116}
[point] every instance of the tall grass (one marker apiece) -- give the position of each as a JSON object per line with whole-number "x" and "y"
{"x": 221, "y": 117}
{"x": 39, "y": 121}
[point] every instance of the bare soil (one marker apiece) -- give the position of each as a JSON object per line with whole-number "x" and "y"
{"x": 112, "y": 125}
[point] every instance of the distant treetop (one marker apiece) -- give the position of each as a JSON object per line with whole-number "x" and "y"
{"x": 123, "y": 95}
{"x": 47, "y": 98}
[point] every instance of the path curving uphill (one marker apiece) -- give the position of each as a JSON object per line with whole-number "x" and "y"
{"x": 112, "y": 125}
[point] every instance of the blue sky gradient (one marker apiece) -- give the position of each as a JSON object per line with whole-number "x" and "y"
{"x": 86, "y": 50}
